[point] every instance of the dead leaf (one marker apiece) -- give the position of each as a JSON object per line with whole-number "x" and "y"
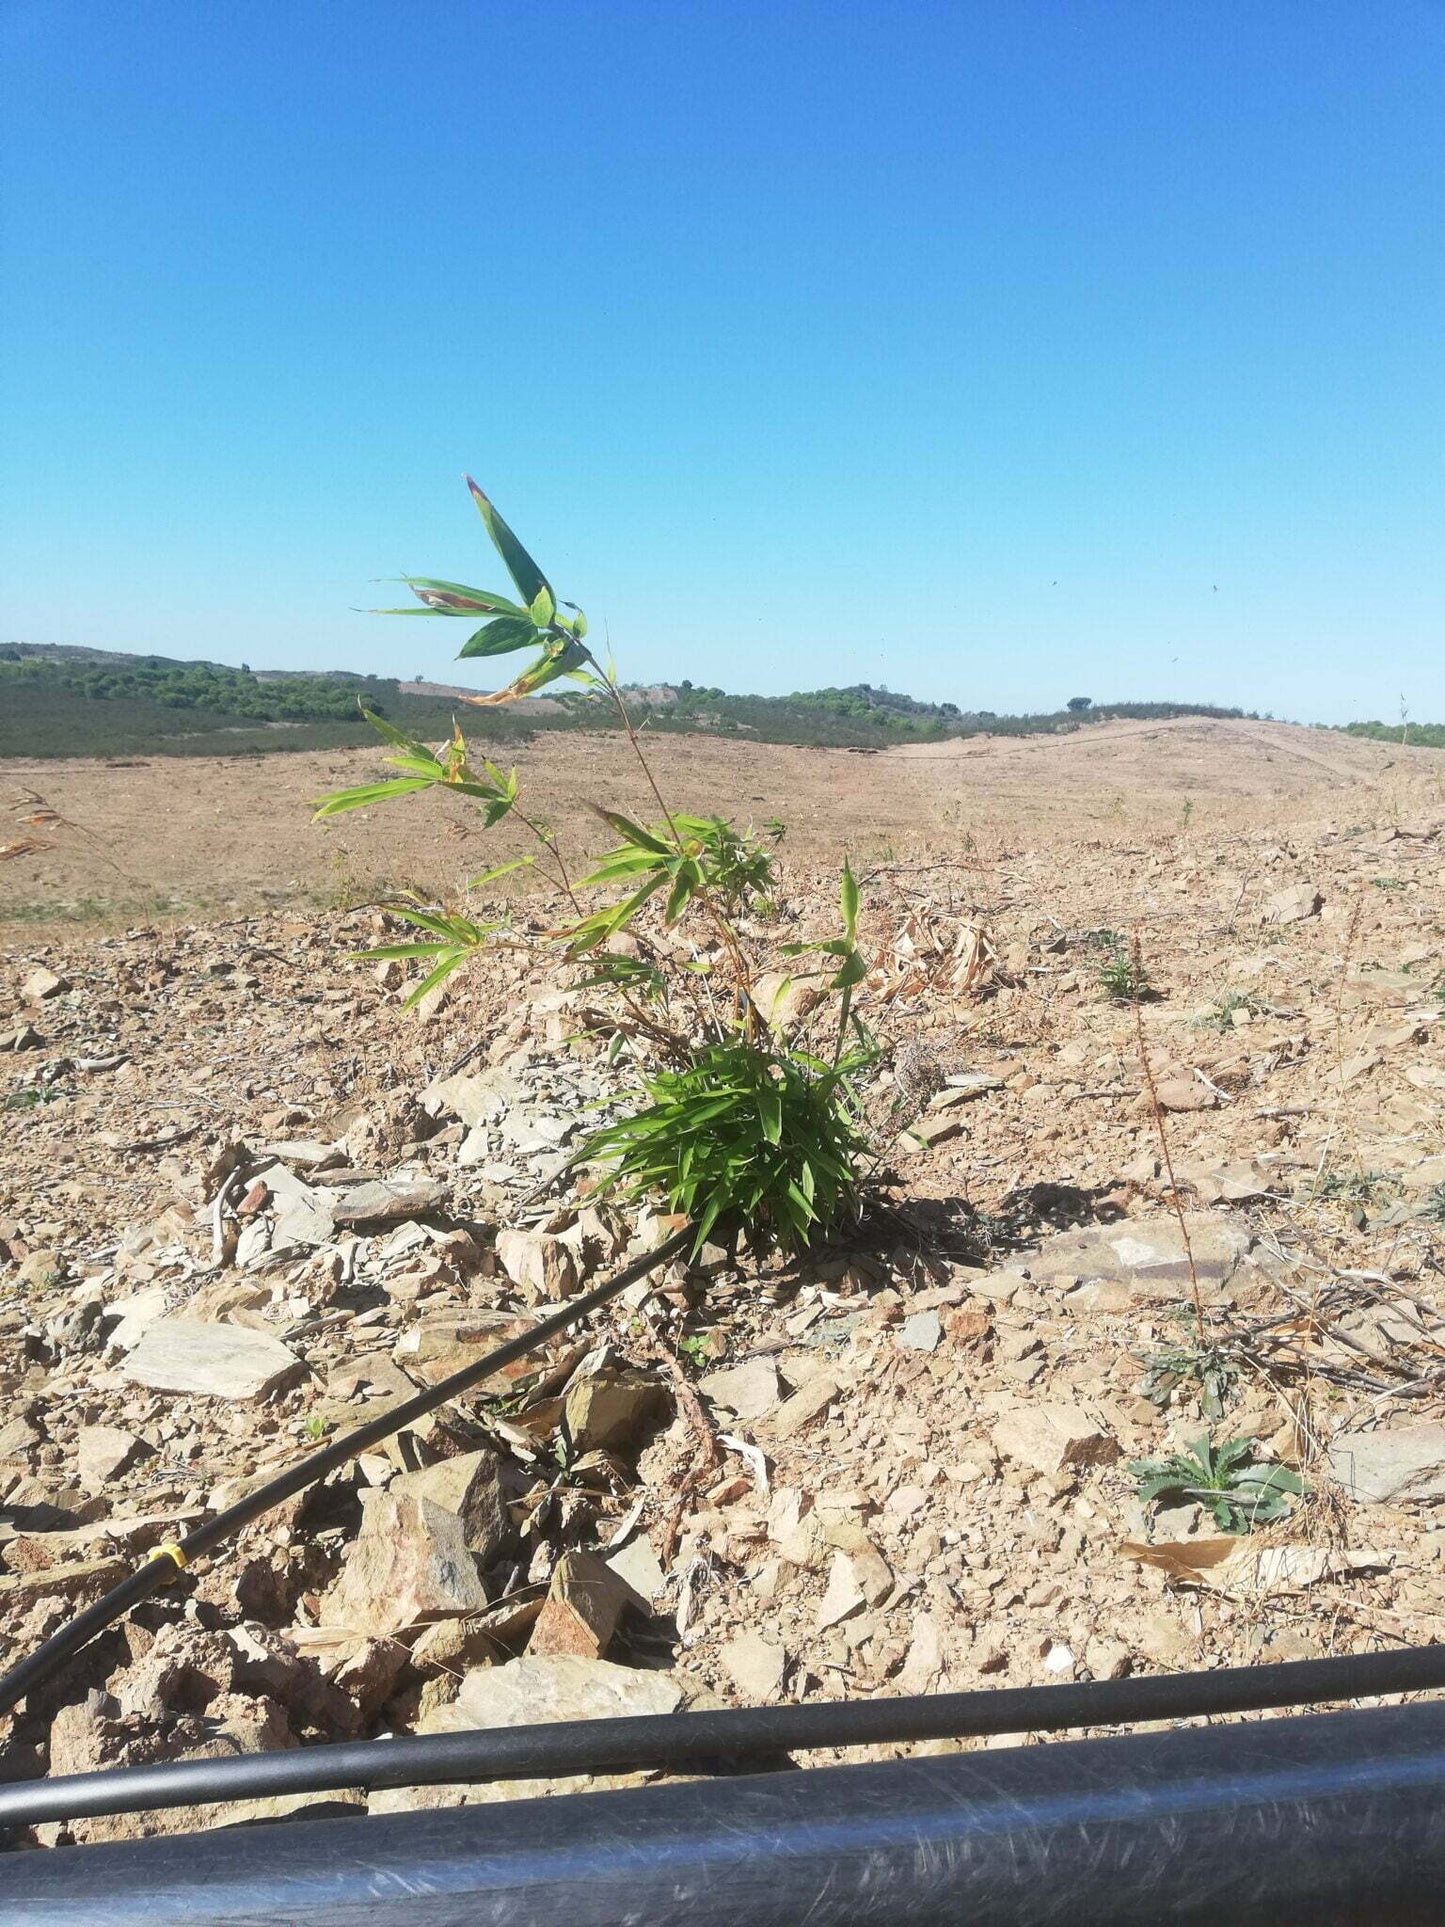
{"x": 1186, "y": 1560}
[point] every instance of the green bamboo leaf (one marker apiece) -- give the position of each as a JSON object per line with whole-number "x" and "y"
{"x": 455, "y": 599}
{"x": 359, "y": 799}
{"x": 685, "y": 881}
{"x": 500, "y": 638}
{"x": 502, "y": 869}
{"x": 621, "y": 863}
{"x": 443, "y": 970}
{"x": 542, "y": 608}
{"x": 421, "y": 763}
{"x": 520, "y": 566}
{"x": 392, "y": 733}
{"x": 384, "y": 951}
{"x": 603, "y": 924}
{"x": 560, "y": 660}
{"x": 848, "y": 900}
{"x": 633, "y": 833}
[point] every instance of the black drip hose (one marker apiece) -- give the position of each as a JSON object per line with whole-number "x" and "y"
{"x": 1337, "y": 1822}
{"x": 700, "y": 1740}
{"x": 163, "y": 1566}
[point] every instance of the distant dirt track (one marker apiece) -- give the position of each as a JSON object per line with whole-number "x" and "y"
{"x": 230, "y": 832}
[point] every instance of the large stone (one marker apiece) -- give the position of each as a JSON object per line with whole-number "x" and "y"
{"x": 924, "y": 1662}
{"x": 782, "y": 1000}
{"x": 135, "y": 1315}
{"x": 541, "y": 1267}
{"x": 41, "y": 985}
{"x": 795, "y": 1414}
{"x": 639, "y": 1567}
{"x": 1294, "y": 905}
{"x": 609, "y": 1407}
{"x": 410, "y": 1563}
{"x": 388, "y": 1201}
{"x": 104, "y": 1452}
{"x": 369, "y": 1674}
{"x": 543, "y": 1687}
{"x": 305, "y": 1213}
{"x": 1051, "y": 1438}
{"x": 843, "y": 1597}
{"x": 794, "y": 1526}
{"x": 537, "y": 1130}
{"x": 476, "y": 1099}
{"x": 583, "y": 1606}
{"x": 923, "y": 1332}
{"x": 211, "y": 1361}
{"x": 1148, "y": 1255}
{"x": 1391, "y": 1466}
{"x": 1183, "y": 1094}
{"x": 755, "y": 1665}
{"x": 470, "y": 1485}
{"x": 18, "y": 1439}
{"x": 85, "y": 1579}
{"x": 748, "y": 1390}
{"x": 868, "y": 1568}
{"x": 302, "y": 1153}
{"x": 434, "y": 1350}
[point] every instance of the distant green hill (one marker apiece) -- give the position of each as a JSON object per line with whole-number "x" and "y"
{"x": 1416, "y": 735}
{"x": 82, "y": 702}
{"x": 62, "y": 700}
{"x": 861, "y": 716}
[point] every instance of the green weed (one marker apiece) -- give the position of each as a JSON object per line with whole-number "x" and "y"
{"x": 1239, "y": 1489}
{"x": 1220, "y": 1016}
{"x": 1212, "y": 1368}
{"x": 1123, "y": 977}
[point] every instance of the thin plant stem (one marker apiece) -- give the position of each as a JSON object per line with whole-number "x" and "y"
{"x": 724, "y": 928}
{"x": 549, "y": 845}
{"x": 1157, "y": 1112}
{"x": 1338, "y": 1095}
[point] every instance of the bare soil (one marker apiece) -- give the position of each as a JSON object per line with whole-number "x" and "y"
{"x": 934, "y": 1489}
{"x": 87, "y": 841}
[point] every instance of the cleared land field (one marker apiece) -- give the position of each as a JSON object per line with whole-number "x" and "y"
{"x": 88, "y": 841}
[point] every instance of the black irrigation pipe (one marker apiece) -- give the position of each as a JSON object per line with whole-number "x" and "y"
{"x": 1339, "y": 1822}
{"x": 718, "y": 1738}
{"x": 164, "y": 1564}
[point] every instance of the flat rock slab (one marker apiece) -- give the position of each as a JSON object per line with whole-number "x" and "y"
{"x": 537, "y": 1130}
{"x": 748, "y": 1390}
{"x": 755, "y": 1665}
{"x": 1391, "y": 1466}
{"x": 303, "y": 1153}
{"x": 387, "y": 1202}
{"x": 923, "y": 1332}
{"x": 1052, "y": 1437}
{"x": 477, "y": 1099}
{"x": 1148, "y": 1256}
{"x": 210, "y": 1361}
{"x": 542, "y": 1687}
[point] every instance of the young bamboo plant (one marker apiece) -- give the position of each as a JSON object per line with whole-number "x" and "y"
{"x": 749, "y": 1126}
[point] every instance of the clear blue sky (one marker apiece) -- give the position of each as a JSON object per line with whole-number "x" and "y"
{"x": 963, "y": 347}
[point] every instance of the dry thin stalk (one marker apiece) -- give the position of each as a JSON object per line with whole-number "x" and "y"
{"x": 709, "y": 1455}
{"x": 1351, "y": 932}
{"x": 1157, "y": 1112}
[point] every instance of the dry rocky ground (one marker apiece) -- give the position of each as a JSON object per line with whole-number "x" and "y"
{"x": 245, "y": 1202}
